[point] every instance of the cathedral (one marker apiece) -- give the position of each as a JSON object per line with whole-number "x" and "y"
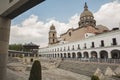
{"x": 87, "y": 27}
{"x": 87, "y": 41}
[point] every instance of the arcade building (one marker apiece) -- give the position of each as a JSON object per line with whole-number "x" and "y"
{"x": 87, "y": 41}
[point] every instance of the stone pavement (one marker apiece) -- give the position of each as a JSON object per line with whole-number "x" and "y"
{"x": 51, "y": 74}
{"x": 12, "y": 75}
{"x": 59, "y": 74}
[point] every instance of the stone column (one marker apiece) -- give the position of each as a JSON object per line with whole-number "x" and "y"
{"x": 109, "y": 55}
{"x": 4, "y": 42}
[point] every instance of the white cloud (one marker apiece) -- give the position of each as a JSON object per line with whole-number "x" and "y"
{"x": 34, "y": 30}
{"x": 30, "y": 30}
{"x": 109, "y": 14}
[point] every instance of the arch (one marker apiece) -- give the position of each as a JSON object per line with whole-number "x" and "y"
{"x": 64, "y": 55}
{"x": 73, "y": 55}
{"x": 115, "y": 54}
{"x": 69, "y": 56}
{"x": 58, "y": 55}
{"x": 61, "y": 55}
{"x": 86, "y": 55}
{"x": 55, "y": 55}
{"x": 79, "y": 55}
{"x": 94, "y": 54}
{"x": 103, "y": 54}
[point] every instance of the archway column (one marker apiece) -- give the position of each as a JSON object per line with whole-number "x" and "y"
{"x": 66, "y": 55}
{"x": 76, "y": 55}
{"x": 89, "y": 54}
{"x": 109, "y": 54}
{"x": 82, "y": 54}
{"x": 98, "y": 54}
{"x": 4, "y": 42}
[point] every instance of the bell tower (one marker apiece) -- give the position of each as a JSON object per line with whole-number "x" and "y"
{"x": 52, "y": 35}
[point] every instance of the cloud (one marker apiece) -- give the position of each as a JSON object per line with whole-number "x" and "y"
{"x": 109, "y": 14}
{"x": 34, "y": 30}
{"x": 30, "y": 30}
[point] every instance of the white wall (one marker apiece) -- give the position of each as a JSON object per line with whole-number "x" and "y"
{"x": 107, "y": 37}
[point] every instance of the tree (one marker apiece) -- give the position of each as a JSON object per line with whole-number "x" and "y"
{"x": 17, "y": 47}
{"x": 95, "y": 77}
{"x": 35, "y": 73}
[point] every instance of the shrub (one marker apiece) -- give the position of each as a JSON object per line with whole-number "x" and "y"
{"x": 20, "y": 56}
{"x": 35, "y": 73}
{"x": 95, "y": 77}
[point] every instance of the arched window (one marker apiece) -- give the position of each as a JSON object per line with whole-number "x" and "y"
{"x": 64, "y": 49}
{"x": 69, "y": 33}
{"x": 53, "y": 35}
{"x": 114, "y": 41}
{"x": 78, "y": 46}
{"x": 102, "y": 43}
{"x": 73, "y": 47}
{"x": 68, "y": 48}
{"x": 85, "y": 45}
{"x": 92, "y": 45}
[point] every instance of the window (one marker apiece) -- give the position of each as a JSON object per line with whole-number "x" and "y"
{"x": 68, "y": 48}
{"x": 102, "y": 43}
{"x": 73, "y": 47}
{"x": 78, "y": 46}
{"x": 69, "y": 33}
{"x": 85, "y": 46}
{"x": 53, "y": 35}
{"x": 114, "y": 41}
{"x": 61, "y": 49}
{"x": 64, "y": 48}
{"x": 93, "y": 45}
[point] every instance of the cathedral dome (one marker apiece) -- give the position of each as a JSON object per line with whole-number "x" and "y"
{"x": 86, "y": 18}
{"x": 86, "y": 12}
{"x": 52, "y": 27}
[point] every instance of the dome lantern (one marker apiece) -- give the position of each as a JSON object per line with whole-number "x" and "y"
{"x": 85, "y": 7}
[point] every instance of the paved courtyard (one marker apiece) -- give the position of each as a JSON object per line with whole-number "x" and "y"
{"x": 52, "y": 74}
{"x": 59, "y": 74}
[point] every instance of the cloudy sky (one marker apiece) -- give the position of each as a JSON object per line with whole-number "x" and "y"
{"x": 33, "y": 25}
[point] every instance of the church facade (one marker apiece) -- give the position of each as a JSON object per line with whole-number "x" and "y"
{"x": 86, "y": 41}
